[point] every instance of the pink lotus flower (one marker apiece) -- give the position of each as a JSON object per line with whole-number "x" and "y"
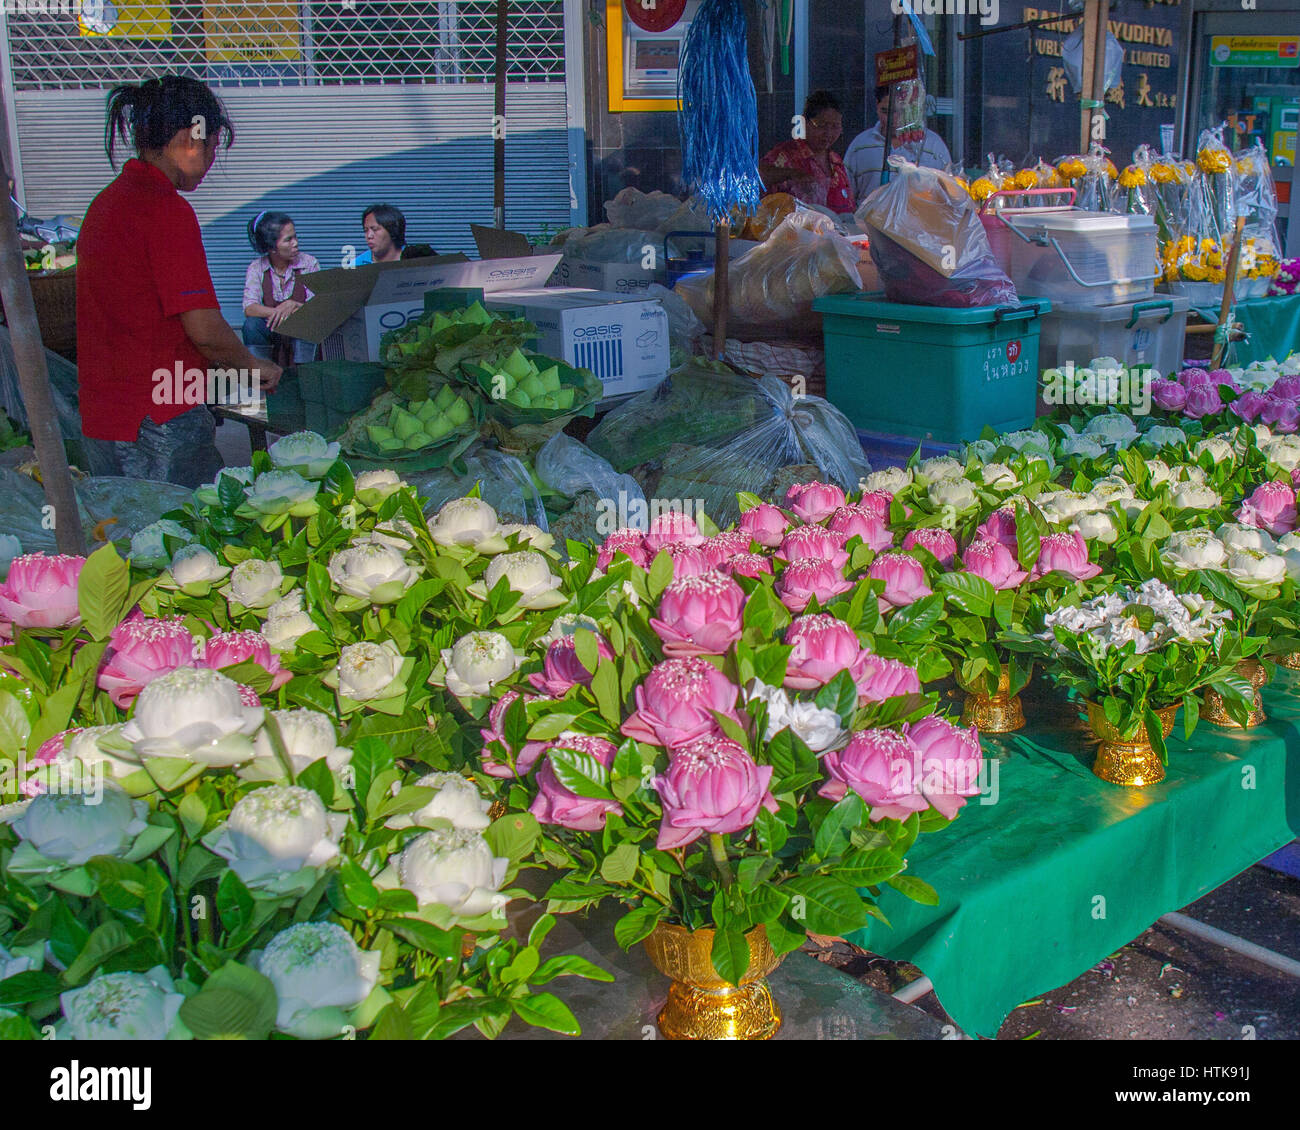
{"x": 1169, "y": 395}
{"x": 711, "y": 786}
{"x": 811, "y": 502}
{"x": 810, "y": 577}
{"x": 862, "y": 522}
{"x": 1248, "y": 406}
{"x": 748, "y": 565}
{"x": 1064, "y": 553}
{"x": 813, "y": 541}
{"x": 671, "y": 527}
{"x": 994, "y": 562}
{"x": 904, "y": 579}
{"x": 881, "y": 766}
{"x": 1295, "y": 478}
{"x": 52, "y": 748}
{"x": 627, "y": 542}
{"x": 248, "y": 696}
{"x": 555, "y": 804}
{"x": 561, "y": 668}
{"x": 1202, "y": 400}
{"x": 950, "y": 762}
{"x": 1280, "y": 414}
{"x": 765, "y": 524}
{"x": 1194, "y": 378}
{"x": 939, "y": 542}
{"x": 227, "y": 649}
{"x": 700, "y": 615}
{"x": 675, "y": 703}
{"x": 1000, "y": 526}
{"x": 888, "y": 678}
{"x": 878, "y": 502}
{"x": 689, "y": 560}
{"x": 1223, "y": 377}
{"x": 1271, "y": 507}
{"x": 495, "y": 733}
{"x": 139, "y": 650}
{"x": 1288, "y": 387}
{"x": 722, "y": 547}
{"x": 823, "y": 647}
{"x": 41, "y": 591}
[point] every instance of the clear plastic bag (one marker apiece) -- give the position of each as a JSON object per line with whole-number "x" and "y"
{"x": 705, "y": 433}
{"x": 1091, "y": 175}
{"x": 656, "y": 211}
{"x": 1257, "y": 203}
{"x": 569, "y": 466}
{"x": 1072, "y": 59}
{"x": 1199, "y": 247}
{"x": 684, "y": 328}
{"x": 907, "y": 111}
{"x": 772, "y": 286}
{"x": 504, "y": 483}
{"x": 936, "y": 252}
{"x": 614, "y": 245}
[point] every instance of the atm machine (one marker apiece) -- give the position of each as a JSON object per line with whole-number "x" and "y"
{"x": 645, "y": 39}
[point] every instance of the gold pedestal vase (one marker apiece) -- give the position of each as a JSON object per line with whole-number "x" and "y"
{"x": 1290, "y": 661}
{"x": 1128, "y": 759}
{"x": 701, "y": 1005}
{"x": 997, "y": 713}
{"x": 1214, "y": 710}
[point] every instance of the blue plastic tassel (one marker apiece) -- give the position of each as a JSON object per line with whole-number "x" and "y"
{"x": 718, "y": 120}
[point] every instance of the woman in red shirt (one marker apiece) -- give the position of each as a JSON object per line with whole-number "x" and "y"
{"x": 809, "y": 168}
{"x": 152, "y": 346}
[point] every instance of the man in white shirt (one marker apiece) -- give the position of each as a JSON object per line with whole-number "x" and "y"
{"x": 865, "y": 157}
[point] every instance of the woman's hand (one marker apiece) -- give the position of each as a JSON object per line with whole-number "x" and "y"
{"x": 278, "y": 315}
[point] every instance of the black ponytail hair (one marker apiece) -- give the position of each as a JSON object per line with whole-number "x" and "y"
{"x": 264, "y": 230}
{"x": 151, "y": 114}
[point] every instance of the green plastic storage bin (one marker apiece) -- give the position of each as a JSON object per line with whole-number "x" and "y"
{"x": 930, "y": 371}
{"x": 452, "y": 297}
{"x": 285, "y": 411}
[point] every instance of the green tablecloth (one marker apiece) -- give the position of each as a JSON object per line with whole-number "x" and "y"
{"x": 1272, "y": 323}
{"x": 1065, "y": 869}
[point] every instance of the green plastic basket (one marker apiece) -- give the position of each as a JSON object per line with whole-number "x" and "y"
{"x": 929, "y": 371}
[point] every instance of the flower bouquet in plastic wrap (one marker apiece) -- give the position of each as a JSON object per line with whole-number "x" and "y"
{"x": 1256, "y": 202}
{"x": 1091, "y": 175}
{"x": 1195, "y": 259}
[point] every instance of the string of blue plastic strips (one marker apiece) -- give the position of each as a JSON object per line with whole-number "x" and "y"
{"x": 718, "y": 120}
{"x": 922, "y": 36}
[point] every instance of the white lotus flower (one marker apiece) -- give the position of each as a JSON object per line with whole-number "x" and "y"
{"x": 455, "y": 798}
{"x": 396, "y": 533}
{"x": 208, "y": 495}
{"x": 820, "y": 730}
{"x": 468, "y": 522}
{"x": 1027, "y": 439}
{"x": 528, "y": 573}
{"x": 84, "y": 747}
{"x": 1162, "y": 435}
{"x": 1193, "y": 496}
{"x": 1282, "y": 451}
{"x": 372, "y": 487}
{"x": 957, "y": 493}
{"x": 451, "y": 868}
{"x": 254, "y": 583}
{"x": 1236, "y": 536}
{"x": 276, "y": 831}
{"x": 283, "y": 492}
{"x": 1159, "y": 471}
{"x": 939, "y": 468}
{"x": 1189, "y": 551}
{"x": 305, "y": 452}
{"x": 11, "y": 965}
{"x": 373, "y": 572}
{"x": 1188, "y": 473}
{"x": 196, "y": 565}
{"x": 1096, "y": 525}
{"x": 308, "y": 736}
{"x": 534, "y": 536}
{"x": 1219, "y": 448}
{"x": 125, "y": 1006}
{"x": 1084, "y": 447}
{"x": 1253, "y": 568}
{"x": 478, "y": 661}
{"x": 1059, "y": 506}
{"x": 283, "y": 632}
{"x": 287, "y": 605}
{"x": 70, "y": 828}
{"x": 1288, "y": 546}
{"x": 148, "y": 549}
{"x": 1114, "y": 429}
{"x": 368, "y": 671}
{"x": 318, "y": 973}
{"x": 568, "y": 625}
{"x": 892, "y": 479}
{"x": 196, "y": 714}
{"x": 981, "y": 450}
{"x": 998, "y": 476}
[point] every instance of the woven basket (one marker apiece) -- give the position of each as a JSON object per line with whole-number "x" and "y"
{"x": 55, "y": 296}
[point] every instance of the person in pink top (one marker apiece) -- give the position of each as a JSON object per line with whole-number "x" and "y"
{"x": 273, "y": 289}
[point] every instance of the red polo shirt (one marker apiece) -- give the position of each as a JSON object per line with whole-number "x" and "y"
{"x": 140, "y": 265}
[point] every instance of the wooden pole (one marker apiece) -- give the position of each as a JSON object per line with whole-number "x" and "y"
{"x": 1229, "y": 285}
{"x": 499, "y": 120}
{"x": 721, "y": 286}
{"x": 34, "y": 380}
{"x": 1092, "y": 17}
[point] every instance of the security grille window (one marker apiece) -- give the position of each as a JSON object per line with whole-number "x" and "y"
{"x": 270, "y": 43}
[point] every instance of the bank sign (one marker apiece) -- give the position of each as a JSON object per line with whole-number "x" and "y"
{"x": 1144, "y": 97}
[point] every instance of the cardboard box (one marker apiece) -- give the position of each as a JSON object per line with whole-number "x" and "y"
{"x": 612, "y": 278}
{"x": 622, "y": 339}
{"x": 351, "y": 309}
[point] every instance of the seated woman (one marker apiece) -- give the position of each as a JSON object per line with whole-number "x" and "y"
{"x": 385, "y": 229}
{"x": 808, "y": 168}
{"x": 273, "y": 289}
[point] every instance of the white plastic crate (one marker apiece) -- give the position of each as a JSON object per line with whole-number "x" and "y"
{"x": 1148, "y": 332}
